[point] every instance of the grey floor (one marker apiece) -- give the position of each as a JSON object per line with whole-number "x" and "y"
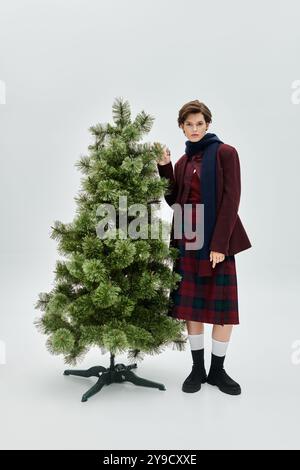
{"x": 41, "y": 409}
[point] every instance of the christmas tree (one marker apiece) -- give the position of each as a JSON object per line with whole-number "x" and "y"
{"x": 112, "y": 286}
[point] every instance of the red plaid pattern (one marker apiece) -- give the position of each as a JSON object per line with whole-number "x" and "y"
{"x": 204, "y": 294}
{"x": 208, "y": 299}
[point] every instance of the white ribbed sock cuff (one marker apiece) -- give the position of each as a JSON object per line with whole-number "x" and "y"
{"x": 196, "y": 341}
{"x": 219, "y": 348}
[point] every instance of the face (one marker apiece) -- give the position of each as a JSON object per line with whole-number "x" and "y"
{"x": 194, "y": 126}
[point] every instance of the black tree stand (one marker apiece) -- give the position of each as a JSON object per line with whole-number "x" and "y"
{"x": 115, "y": 373}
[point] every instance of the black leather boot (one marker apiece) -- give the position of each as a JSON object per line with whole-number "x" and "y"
{"x": 198, "y": 374}
{"x": 217, "y": 376}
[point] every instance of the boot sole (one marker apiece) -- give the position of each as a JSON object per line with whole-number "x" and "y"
{"x": 186, "y": 389}
{"x": 236, "y": 391}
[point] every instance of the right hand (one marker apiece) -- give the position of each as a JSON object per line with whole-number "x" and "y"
{"x": 166, "y": 156}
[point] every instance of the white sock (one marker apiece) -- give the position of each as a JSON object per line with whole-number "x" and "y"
{"x": 219, "y": 348}
{"x": 196, "y": 341}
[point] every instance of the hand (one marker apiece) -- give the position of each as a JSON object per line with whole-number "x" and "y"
{"x": 165, "y": 157}
{"x": 216, "y": 257}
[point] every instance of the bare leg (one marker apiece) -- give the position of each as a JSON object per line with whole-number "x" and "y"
{"x": 222, "y": 332}
{"x": 194, "y": 327}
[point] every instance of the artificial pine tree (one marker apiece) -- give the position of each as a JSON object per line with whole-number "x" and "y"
{"x": 112, "y": 291}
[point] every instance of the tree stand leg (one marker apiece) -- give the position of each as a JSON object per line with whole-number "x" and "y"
{"x": 116, "y": 373}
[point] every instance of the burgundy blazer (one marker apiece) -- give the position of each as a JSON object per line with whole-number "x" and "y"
{"x": 229, "y": 236}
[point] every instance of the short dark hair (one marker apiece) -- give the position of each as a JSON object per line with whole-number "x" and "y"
{"x": 194, "y": 106}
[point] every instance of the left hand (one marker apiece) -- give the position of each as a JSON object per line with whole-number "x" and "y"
{"x": 216, "y": 257}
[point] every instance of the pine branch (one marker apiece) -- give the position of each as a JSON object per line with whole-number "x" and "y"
{"x": 121, "y": 112}
{"x": 144, "y": 122}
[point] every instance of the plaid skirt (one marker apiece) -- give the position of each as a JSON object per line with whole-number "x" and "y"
{"x": 207, "y": 299}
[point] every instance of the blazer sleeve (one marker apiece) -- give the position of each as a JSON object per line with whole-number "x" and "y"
{"x": 166, "y": 171}
{"x": 228, "y": 211}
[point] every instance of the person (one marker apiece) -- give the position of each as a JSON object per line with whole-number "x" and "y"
{"x": 207, "y": 174}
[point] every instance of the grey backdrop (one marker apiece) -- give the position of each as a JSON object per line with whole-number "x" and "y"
{"x": 62, "y": 63}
